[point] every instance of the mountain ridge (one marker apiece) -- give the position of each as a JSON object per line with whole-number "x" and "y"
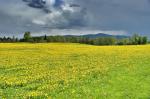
{"x": 100, "y": 35}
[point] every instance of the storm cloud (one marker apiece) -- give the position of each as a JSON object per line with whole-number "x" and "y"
{"x": 116, "y": 16}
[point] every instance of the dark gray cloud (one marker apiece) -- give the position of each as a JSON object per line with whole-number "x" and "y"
{"x": 129, "y": 15}
{"x": 104, "y": 15}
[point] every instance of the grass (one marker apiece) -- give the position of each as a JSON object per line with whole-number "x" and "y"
{"x": 74, "y": 71}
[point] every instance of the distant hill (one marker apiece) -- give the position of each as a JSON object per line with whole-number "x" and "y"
{"x": 100, "y": 35}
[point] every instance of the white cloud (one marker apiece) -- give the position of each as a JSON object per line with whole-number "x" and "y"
{"x": 112, "y": 16}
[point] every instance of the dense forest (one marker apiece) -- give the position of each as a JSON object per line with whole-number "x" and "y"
{"x": 133, "y": 40}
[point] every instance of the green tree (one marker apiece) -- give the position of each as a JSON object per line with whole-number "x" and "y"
{"x": 27, "y": 36}
{"x": 45, "y": 37}
{"x": 135, "y": 39}
{"x": 145, "y": 40}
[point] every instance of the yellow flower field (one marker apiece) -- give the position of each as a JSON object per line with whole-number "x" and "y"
{"x": 74, "y": 71}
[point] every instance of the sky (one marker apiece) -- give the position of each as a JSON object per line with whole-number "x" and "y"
{"x": 59, "y": 17}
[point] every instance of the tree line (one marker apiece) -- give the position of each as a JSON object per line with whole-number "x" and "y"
{"x": 134, "y": 40}
{"x": 8, "y": 39}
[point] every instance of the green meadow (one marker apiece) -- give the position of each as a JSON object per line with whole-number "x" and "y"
{"x": 74, "y": 71}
